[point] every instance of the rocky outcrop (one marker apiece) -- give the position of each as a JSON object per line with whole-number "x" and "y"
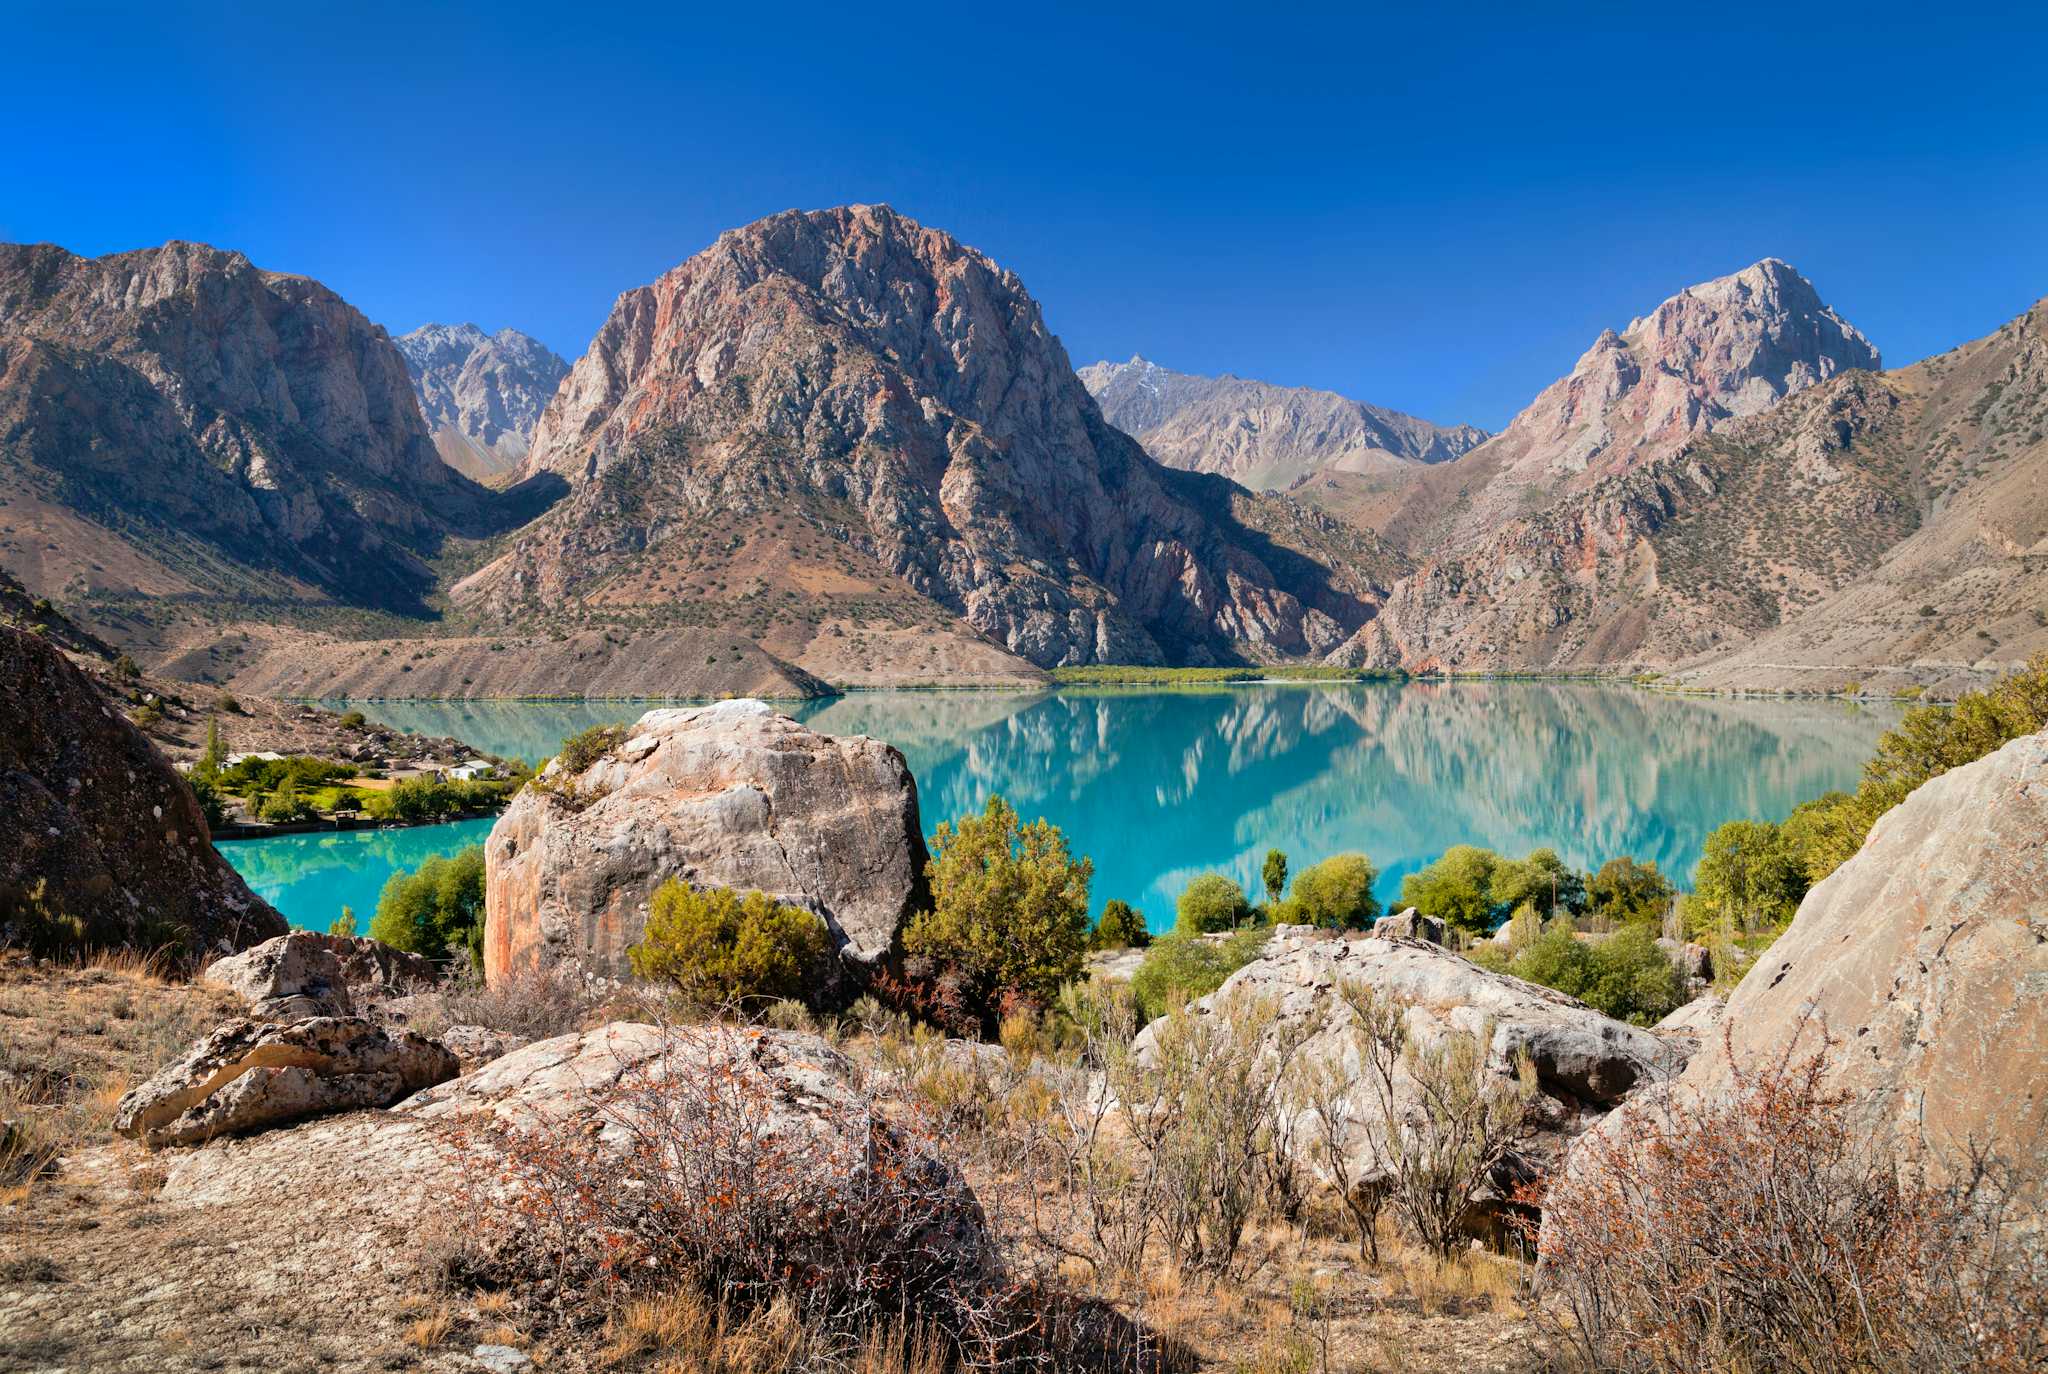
{"x": 97, "y": 832}
{"x": 480, "y": 394}
{"x": 1409, "y": 925}
{"x": 732, "y": 795}
{"x": 305, "y": 973}
{"x": 843, "y": 399}
{"x": 250, "y": 1075}
{"x": 1266, "y": 437}
{"x": 1585, "y": 1063}
{"x": 1918, "y": 971}
{"x": 190, "y": 423}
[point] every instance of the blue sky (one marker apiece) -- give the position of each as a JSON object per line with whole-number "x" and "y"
{"x": 1430, "y": 207}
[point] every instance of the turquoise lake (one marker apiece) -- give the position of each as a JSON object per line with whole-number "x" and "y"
{"x": 1158, "y": 786}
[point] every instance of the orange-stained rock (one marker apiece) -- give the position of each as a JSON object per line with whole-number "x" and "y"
{"x": 732, "y": 795}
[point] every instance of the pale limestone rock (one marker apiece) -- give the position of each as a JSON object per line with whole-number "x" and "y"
{"x": 248, "y": 1076}
{"x": 1585, "y": 1062}
{"x": 732, "y": 795}
{"x": 1410, "y": 925}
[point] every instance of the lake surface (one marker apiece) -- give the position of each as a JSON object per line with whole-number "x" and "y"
{"x": 1159, "y": 786}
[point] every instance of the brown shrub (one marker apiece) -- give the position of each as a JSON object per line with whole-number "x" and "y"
{"x": 1768, "y": 1231}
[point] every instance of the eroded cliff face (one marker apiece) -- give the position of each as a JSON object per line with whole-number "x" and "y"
{"x": 873, "y": 409}
{"x": 1266, "y": 437}
{"x": 175, "y": 420}
{"x": 480, "y": 394}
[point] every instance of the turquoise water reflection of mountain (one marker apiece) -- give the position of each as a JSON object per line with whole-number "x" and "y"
{"x": 1157, "y": 786}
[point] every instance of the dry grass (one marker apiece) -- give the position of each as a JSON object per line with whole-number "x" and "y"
{"x": 431, "y": 1330}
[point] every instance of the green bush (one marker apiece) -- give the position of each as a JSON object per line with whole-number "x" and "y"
{"x": 1335, "y": 894}
{"x": 1626, "y": 976}
{"x": 345, "y": 924}
{"x": 1456, "y": 889}
{"x": 1009, "y": 906}
{"x": 1624, "y": 890}
{"x": 1211, "y": 903}
{"x": 1122, "y": 926}
{"x": 354, "y": 720}
{"x": 1179, "y": 968}
{"x": 286, "y": 805}
{"x": 586, "y": 747}
{"x": 722, "y": 948}
{"x": 436, "y": 909}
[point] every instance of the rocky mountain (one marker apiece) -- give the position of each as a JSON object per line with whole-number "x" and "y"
{"x": 1716, "y": 352}
{"x": 1873, "y": 528}
{"x": 480, "y": 393}
{"x": 1262, "y": 436}
{"x": 843, "y": 425}
{"x": 178, "y": 423}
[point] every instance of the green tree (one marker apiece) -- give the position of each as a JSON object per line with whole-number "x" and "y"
{"x": 215, "y": 755}
{"x": 1179, "y": 968}
{"x": 1748, "y": 876}
{"x": 1624, "y": 890}
{"x": 437, "y": 908}
{"x": 1335, "y": 894}
{"x": 285, "y": 804}
{"x": 125, "y": 667}
{"x": 1009, "y": 905}
{"x": 1457, "y": 889}
{"x": 720, "y": 947}
{"x": 1543, "y": 880}
{"x": 1274, "y": 874}
{"x": 211, "y": 804}
{"x": 344, "y": 924}
{"x": 1210, "y": 903}
{"x": 1122, "y": 926}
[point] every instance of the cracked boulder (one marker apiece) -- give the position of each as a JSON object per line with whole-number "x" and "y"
{"x": 251, "y": 1075}
{"x": 307, "y": 974}
{"x": 733, "y": 795}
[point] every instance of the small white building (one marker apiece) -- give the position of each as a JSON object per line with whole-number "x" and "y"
{"x": 470, "y": 772}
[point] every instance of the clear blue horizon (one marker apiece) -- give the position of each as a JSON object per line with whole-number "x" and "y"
{"x": 1434, "y": 214}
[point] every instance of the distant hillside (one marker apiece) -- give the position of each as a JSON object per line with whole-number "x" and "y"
{"x": 480, "y": 394}
{"x": 1872, "y": 527}
{"x": 177, "y": 424}
{"x": 1268, "y": 438}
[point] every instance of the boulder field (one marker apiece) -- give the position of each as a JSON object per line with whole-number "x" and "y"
{"x": 732, "y": 795}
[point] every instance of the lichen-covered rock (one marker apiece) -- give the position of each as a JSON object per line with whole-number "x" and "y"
{"x": 249, "y": 1075}
{"x": 1409, "y": 925}
{"x": 98, "y": 828}
{"x": 732, "y": 795}
{"x": 306, "y": 973}
{"x": 1919, "y": 969}
{"x": 476, "y": 1046}
{"x": 1585, "y": 1062}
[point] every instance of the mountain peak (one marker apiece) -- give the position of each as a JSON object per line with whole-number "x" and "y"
{"x": 480, "y": 394}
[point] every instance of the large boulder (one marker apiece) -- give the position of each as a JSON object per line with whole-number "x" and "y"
{"x": 307, "y": 974}
{"x": 1585, "y": 1063}
{"x": 97, "y": 828}
{"x": 249, "y": 1075}
{"x": 732, "y": 795}
{"x": 1919, "y": 971}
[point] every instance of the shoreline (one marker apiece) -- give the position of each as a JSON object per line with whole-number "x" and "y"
{"x": 237, "y": 832}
